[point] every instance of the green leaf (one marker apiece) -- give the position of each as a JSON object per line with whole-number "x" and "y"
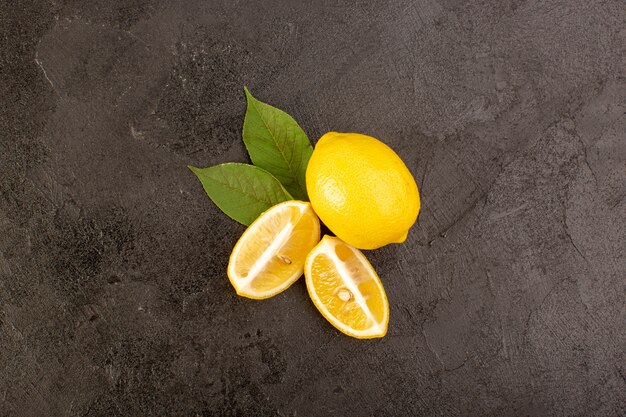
{"x": 277, "y": 144}
{"x": 241, "y": 191}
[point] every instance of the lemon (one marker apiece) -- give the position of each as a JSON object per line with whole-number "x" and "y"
{"x": 346, "y": 290}
{"x": 361, "y": 190}
{"x": 270, "y": 254}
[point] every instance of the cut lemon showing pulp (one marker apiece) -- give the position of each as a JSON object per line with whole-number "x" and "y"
{"x": 346, "y": 290}
{"x": 270, "y": 254}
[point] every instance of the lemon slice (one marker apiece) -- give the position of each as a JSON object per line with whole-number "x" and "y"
{"x": 270, "y": 254}
{"x": 346, "y": 290}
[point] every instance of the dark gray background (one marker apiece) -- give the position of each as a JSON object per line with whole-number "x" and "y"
{"x": 506, "y": 299}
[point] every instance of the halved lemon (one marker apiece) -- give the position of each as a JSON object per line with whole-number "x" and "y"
{"x": 270, "y": 254}
{"x": 346, "y": 290}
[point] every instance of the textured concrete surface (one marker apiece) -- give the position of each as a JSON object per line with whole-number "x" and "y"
{"x": 507, "y": 299}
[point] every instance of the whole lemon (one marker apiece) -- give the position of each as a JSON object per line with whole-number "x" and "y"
{"x": 360, "y": 188}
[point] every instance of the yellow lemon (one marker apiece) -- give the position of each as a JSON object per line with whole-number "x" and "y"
{"x": 346, "y": 290}
{"x": 270, "y": 254}
{"x": 361, "y": 190}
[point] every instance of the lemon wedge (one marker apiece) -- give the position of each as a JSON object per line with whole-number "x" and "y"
{"x": 346, "y": 290}
{"x": 270, "y": 254}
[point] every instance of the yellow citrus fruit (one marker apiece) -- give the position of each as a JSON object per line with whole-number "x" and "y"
{"x": 361, "y": 190}
{"x": 346, "y": 290}
{"x": 270, "y": 254}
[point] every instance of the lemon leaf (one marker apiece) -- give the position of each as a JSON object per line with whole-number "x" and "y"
{"x": 277, "y": 144}
{"x": 241, "y": 191}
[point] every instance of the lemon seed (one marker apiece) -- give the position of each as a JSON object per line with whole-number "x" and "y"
{"x": 344, "y": 294}
{"x": 284, "y": 259}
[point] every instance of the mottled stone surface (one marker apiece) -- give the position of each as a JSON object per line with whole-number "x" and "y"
{"x": 507, "y": 298}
